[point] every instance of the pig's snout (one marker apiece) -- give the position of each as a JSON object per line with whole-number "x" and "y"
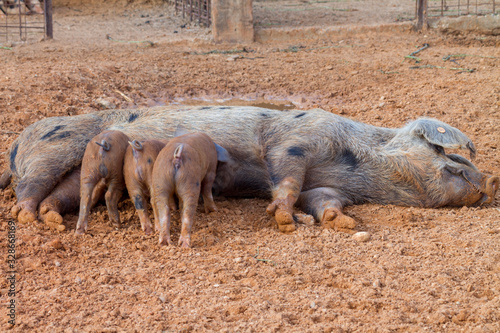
{"x": 490, "y": 189}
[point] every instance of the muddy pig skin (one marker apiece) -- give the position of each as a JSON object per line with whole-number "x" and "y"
{"x": 313, "y": 159}
{"x": 137, "y": 170}
{"x": 102, "y": 168}
{"x": 185, "y": 167}
{"x": 64, "y": 197}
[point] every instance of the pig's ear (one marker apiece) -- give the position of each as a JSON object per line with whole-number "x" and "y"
{"x": 441, "y": 134}
{"x": 180, "y": 130}
{"x": 222, "y": 154}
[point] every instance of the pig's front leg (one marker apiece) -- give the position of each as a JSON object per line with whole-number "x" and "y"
{"x": 326, "y": 204}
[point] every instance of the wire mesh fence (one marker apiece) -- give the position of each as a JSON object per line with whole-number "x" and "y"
{"x": 195, "y": 10}
{"x": 21, "y": 21}
{"x": 462, "y": 7}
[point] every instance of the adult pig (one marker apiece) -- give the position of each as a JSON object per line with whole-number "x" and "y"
{"x": 315, "y": 159}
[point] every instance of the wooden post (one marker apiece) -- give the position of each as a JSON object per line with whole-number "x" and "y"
{"x": 49, "y": 32}
{"x": 422, "y": 15}
{"x": 232, "y": 21}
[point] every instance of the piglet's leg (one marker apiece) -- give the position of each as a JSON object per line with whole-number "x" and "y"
{"x": 206, "y": 192}
{"x": 189, "y": 202}
{"x": 85, "y": 204}
{"x": 141, "y": 207}
{"x": 325, "y": 204}
{"x": 163, "y": 216}
{"x": 285, "y": 195}
{"x": 112, "y": 197}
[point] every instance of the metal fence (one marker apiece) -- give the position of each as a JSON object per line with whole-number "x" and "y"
{"x": 25, "y": 20}
{"x": 195, "y": 10}
{"x": 462, "y": 7}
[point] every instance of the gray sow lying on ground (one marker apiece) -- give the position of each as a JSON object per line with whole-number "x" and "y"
{"x": 316, "y": 160}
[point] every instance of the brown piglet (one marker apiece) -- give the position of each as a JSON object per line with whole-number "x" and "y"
{"x": 102, "y": 168}
{"x": 137, "y": 171}
{"x": 185, "y": 167}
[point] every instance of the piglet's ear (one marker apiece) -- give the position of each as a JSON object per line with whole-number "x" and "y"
{"x": 440, "y": 134}
{"x": 222, "y": 154}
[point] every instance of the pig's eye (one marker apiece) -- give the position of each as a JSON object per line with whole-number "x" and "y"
{"x": 439, "y": 149}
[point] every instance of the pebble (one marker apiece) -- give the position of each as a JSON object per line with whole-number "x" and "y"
{"x": 361, "y": 236}
{"x": 78, "y": 280}
{"x": 162, "y": 298}
{"x": 377, "y": 283}
{"x": 57, "y": 263}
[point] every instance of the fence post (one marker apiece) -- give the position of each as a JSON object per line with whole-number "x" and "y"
{"x": 421, "y": 14}
{"x": 232, "y": 21}
{"x": 47, "y": 10}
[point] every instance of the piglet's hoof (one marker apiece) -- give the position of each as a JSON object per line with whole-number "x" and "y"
{"x": 148, "y": 230}
{"x": 165, "y": 241}
{"x": 334, "y": 219}
{"x": 184, "y": 242}
{"x": 79, "y": 231}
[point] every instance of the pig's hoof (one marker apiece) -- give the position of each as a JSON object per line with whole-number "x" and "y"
{"x": 332, "y": 218}
{"x": 15, "y": 211}
{"x": 26, "y": 216}
{"x": 44, "y": 209}
{"x": 285, "y": 221}
{"x": 56, "y": 226}
{"x": 304, "y": 219}
{"x": 52, "y": 217}
{"x": 271, "y": 209}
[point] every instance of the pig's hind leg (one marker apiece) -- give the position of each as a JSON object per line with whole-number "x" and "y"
{"x": 325, "y": 204}
{"x": 287, "y": 168}
{"x": 64, "y": 198}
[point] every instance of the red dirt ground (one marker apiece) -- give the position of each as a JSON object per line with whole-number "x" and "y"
{"x": 435, "y": 270}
